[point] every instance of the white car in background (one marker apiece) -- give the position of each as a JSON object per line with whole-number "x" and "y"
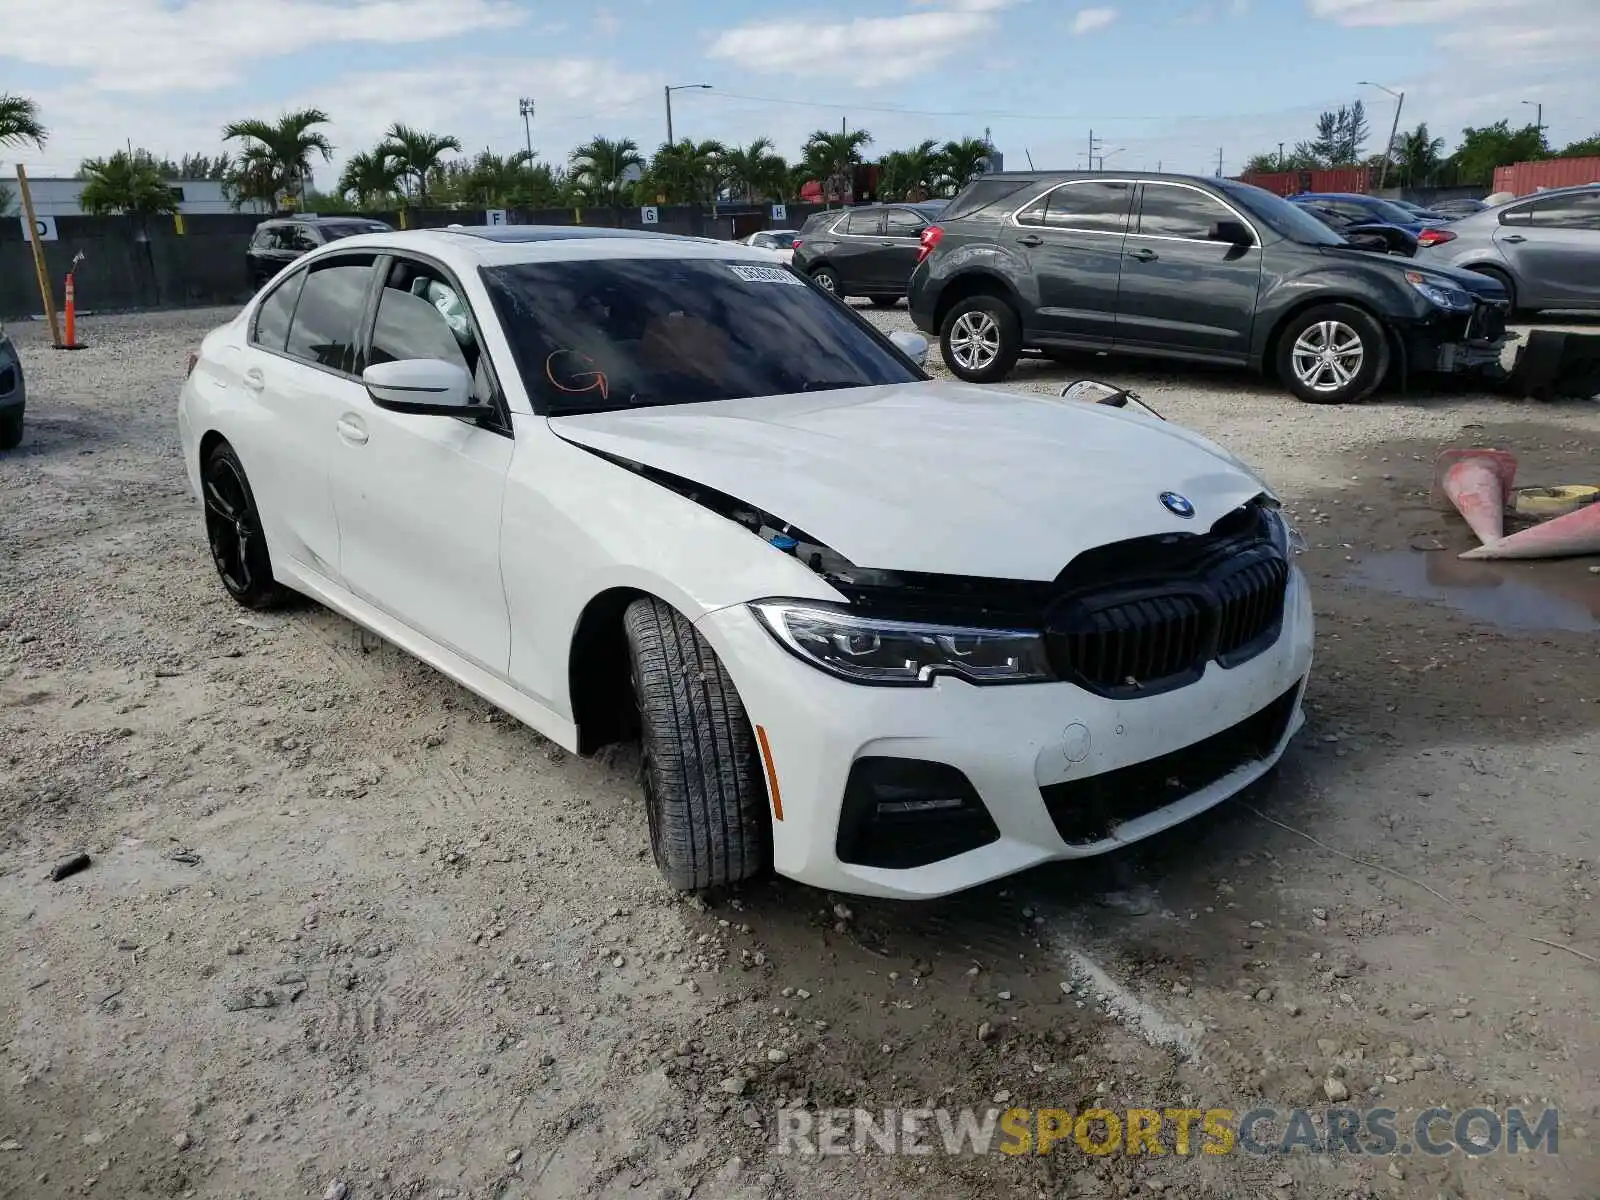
{"x": 883, "y": 634}
{"x": 779, "y": 241}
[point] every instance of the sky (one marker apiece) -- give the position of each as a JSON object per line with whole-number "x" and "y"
{"x": 1160, "y": 84}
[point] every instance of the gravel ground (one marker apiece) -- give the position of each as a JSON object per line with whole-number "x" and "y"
{"x": 349, "y": 932}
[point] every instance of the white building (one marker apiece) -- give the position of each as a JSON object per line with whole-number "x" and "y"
{"x": 56, "y": 197}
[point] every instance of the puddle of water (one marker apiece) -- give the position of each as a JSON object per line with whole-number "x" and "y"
{"x": 1516, "y": 596}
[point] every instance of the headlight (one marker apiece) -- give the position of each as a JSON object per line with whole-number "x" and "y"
{"x": 1438, "y": 291}
{"x": 903, "y": 653}
{"x": 1284, "y": 535}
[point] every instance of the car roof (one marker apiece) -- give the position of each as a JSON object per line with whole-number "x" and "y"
{"x": 330, "y": 219}
{"x": 470, "y": 246}
{"x": 1112, "y": 176}
{"x": 1333, "y": 196}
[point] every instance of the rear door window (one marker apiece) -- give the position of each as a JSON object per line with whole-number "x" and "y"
{"x": 1091, "y": 206}
{"x": 864, "y": 224}
{"x": 903, "y": 223}
{"x": 328, "y": 317}
{"x": 1576, "y": 210}
{"x": 301, "y": 238}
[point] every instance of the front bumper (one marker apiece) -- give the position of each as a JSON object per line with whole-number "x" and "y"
{"x": 1014, "y": 744}
{"x": 1457, "y": 343}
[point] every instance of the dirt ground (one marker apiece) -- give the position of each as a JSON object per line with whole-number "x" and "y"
{"x": 347, "y": 931}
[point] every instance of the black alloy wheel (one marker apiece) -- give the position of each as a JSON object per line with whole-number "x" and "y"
{"x": 233, "y": 529}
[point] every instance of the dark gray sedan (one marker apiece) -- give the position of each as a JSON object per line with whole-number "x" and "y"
{"x": 1544, "y": 248}
{"x": 13, "y": 394}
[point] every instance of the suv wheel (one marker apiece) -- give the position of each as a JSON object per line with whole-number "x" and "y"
{"x": 981, "y": 339}
{"x": 1333, "y": 354}
{"x": 828, "y": 280}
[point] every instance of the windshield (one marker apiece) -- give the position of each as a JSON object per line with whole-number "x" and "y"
{"x": 1277, "y": 214}
{"x": 596, "y": 335}
{"x": 1393, "y": 213}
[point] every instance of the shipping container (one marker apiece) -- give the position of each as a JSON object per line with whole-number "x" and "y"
{"x": 1524, "y": 177}
{"x": 1292, "y": 183}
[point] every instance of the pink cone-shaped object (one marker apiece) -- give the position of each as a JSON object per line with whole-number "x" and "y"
{"x": 1576, "y": 533}
{"x": 1477, "y": 483}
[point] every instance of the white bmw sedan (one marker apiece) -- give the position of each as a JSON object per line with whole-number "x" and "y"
{"x": 879, "y": 633}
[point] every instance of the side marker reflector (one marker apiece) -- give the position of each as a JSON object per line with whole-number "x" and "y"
{"x": 772, "y": 774}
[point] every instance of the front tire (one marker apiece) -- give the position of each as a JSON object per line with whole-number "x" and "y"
{"x": 1333, "y": 354}
{"x": 11, "y": 430}
{"x": 234, "y": 532}
{"x": 703, "y": 790}
{"x": 980, "y": 339}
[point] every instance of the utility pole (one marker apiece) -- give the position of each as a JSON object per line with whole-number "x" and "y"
{"x": 1094, "y": 148}
{"x": 1219, "y": 162}
{"x": 1280, "y": 156}
{"x": 1388, "y": 150}
{"x": 525, "y": 107}
{"x": 1538, "y": 120}
{"x": 667, "y": 92}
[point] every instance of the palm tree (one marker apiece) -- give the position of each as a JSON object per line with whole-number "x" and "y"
{"x": 369, "y": 178}
{"x": 686, "y": 171}
{"x": 277, "y": 155}
{"x": 19, "y": 122}
{"x": 1418, "y": 155}
{"x": 755, "y": 169}
{"x": 833, "y": 157}
{"x": 125, "y": 183}
{"x": 416, "y": 153}
{"x": 962, "y": 160}
{"x": 912, "y": 174}
{"x": 598, "y": 167}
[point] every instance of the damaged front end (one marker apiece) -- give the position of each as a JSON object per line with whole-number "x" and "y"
{"x": 1468, "y": 335}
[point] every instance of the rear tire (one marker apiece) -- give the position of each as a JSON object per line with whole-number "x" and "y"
{"x": 1504, "y": 281}
{"x": 980, "y": 339}
{"x": 828, "y": 280}
{"x": 1332, "y": 354}
{"x": 704, "y": 794}
{"x": 234, "y": 532}
{"x": 11, "y": 430}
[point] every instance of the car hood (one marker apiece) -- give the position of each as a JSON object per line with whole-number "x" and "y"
{"x": 1468, "y": 281}
{"x": 937, "y": 477}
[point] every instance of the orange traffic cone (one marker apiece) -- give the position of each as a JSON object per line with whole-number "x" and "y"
{"x": 1562, "y": 537}
{"x": 1477, "y": 483}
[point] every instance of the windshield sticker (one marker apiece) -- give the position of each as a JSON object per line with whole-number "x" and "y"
{"x": 754, "y": 274}
{"x": 565, "y": 369}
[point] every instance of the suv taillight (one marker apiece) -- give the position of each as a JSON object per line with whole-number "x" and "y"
{"x": 795, "y": 245}
{"x": 1434, "y": 237}
{"x": 930, "y": 241}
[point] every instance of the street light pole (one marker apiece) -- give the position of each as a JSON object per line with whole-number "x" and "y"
{"x": 1538, "y": 109}
{"x": 525, "y": 107}
{"x": 667, "y": 91}
{"x": 1388, "y": 150}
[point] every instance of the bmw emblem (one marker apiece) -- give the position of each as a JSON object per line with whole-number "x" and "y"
{"x": 1178, "y": 506}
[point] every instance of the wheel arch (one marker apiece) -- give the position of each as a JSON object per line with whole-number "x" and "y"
{"x": 974, "y": 283}
{"x": 597, "y": 670}
{"x": 1269, "y": 352}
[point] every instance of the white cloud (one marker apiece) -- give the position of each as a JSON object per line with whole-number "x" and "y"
{"x": 1418, "y": 12}
{"x": 1090, "y": 20}
{"x": 155, "y": 46}
{"x": 896, "y": 47}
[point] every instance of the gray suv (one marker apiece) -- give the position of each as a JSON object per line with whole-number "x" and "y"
{"x": 1544, "y": 248}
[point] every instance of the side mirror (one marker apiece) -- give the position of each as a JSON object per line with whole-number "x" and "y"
{"x": 1235, "y": 233}
{"x": 1368, "y": 241}
{"x": 913, "y": 345}
{"x": 423, "y": 386}
{"x": 1092, "y": 391}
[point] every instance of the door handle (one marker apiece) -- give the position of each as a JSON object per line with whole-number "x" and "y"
{"x": 352, "y": 430}
{"x": 254, "y": 379}
{"x": 1514, "y": 237}
{"x": 1030, "y": 240}
{"x": 1143, "y": 255}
